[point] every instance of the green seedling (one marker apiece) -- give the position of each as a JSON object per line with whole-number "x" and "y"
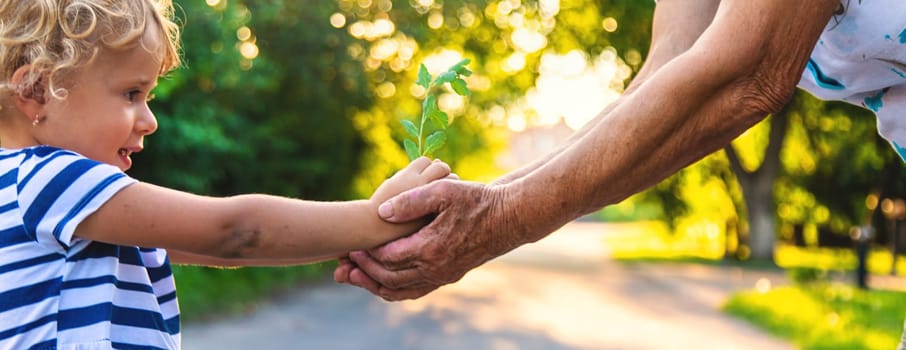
{"x": 419, "y": 144}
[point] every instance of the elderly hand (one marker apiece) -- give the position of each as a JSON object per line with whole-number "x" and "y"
{"x": 469, "y": 229}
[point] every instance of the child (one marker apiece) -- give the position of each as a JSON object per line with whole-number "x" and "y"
{"x": 75, "y": 272}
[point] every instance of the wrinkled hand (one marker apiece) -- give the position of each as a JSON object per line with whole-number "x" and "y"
{"x": 469, "y": 229}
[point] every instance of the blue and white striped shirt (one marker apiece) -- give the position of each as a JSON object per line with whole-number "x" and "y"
{"x": 62, "y": 292}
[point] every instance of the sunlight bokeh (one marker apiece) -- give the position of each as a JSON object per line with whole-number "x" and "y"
{"x": 573, "y": 87}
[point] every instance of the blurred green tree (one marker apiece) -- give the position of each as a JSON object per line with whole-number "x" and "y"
{"x": 267, "y": 86}
{"x": 805, "y": 174}
{"x": 837, "y": 169}
{"x": 265, "y": 103}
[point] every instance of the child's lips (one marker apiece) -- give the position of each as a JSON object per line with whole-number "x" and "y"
{"x": 125, "y": 154}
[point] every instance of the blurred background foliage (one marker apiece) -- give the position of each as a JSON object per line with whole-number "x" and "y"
{"x": 261, "y": 105}
{"x": 304, "y": 98}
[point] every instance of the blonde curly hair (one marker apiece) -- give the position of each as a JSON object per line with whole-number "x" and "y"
{"x": 57, "y": 36}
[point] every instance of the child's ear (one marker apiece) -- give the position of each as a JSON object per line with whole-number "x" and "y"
{"x": 30, "y": 96}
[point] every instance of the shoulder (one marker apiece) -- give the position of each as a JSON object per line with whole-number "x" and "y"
{"x": 47, "y": 165}
{"x": 34, "y": 159}
{"x": 56, "y": 189}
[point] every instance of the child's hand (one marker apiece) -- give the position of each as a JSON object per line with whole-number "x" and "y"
{"x": 419, "y": 172}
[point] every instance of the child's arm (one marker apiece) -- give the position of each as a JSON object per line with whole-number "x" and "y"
{"x": 254, "y": 226}
{"x": 183, "y": 258}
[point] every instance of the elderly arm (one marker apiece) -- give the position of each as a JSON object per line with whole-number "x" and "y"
{"x": 744, "y": 66}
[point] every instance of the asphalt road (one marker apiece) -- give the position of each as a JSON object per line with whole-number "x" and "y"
{"x": 563, "y": 292}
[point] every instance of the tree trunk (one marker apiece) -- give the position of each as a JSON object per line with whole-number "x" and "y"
{"x": 758, "y": 189}
{"x": 760, "y": 207}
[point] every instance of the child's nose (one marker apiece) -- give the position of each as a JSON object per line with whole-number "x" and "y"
{"x": 146, "y": 123}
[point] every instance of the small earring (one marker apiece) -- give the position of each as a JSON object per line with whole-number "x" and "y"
{"x": 36, "y": 121}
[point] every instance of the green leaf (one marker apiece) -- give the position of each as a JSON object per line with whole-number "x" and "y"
{"x": 411, "y": 149}
{"x": 424, "y": 78}
{"x": 441, "y": 119}
{"x": 460, "y": 66}
{"x": 410, "y": 128}
{"x": 429, "y": 107}
{"x": 460, "y": 87}
{"x": 444, "y": 77}
{"x": 435, "y": 141}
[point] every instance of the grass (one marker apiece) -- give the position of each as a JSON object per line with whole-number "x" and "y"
{"x": 815, "y": 314}
{"x": 829, "y": 259}
{"x": 825, "y": 316}
{"x": 819, "y": 314}
{"x": 209, "y": 292}
{"x": 652, "y": 241}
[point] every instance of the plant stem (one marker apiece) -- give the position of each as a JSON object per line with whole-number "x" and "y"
{"x": 421, "y": 124}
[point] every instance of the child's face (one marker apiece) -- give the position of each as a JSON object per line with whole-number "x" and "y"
{"x": 105, "y": 114}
